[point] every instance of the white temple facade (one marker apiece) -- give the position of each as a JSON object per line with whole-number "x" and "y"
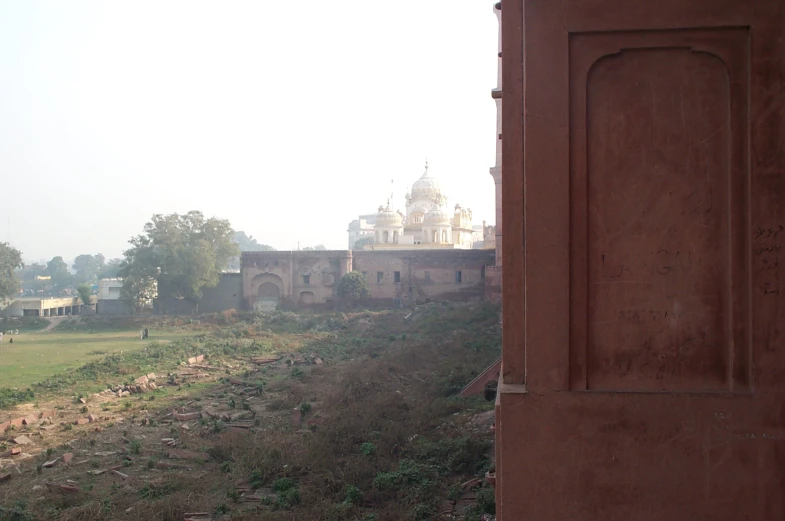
{"x": 427, "y": 223}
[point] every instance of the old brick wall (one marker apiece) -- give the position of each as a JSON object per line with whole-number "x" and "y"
{"x": 642, "y": 371}
{"x": 227, "y": 294}
{"x": 425, "y": 274}
{"x": 304, "y": 278}
{"x": 310, "y": 278}
{"x": 114, "y": 307}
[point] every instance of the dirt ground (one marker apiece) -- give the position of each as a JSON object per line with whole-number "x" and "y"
{"x": 355, "y": 418}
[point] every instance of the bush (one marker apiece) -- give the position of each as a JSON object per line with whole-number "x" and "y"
{"x": 368, "y": 449}
{"x": 353, "y": 289}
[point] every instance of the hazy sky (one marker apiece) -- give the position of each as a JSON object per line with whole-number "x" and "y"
{"x": 287, "y": 118}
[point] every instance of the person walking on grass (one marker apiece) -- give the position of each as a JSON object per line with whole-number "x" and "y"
{"x": 145, "y": 333}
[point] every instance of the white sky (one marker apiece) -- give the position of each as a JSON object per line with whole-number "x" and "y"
{"x": 287, "y": 118}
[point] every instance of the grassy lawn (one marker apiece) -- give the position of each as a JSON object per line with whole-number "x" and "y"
{"x": 35, "y": 356}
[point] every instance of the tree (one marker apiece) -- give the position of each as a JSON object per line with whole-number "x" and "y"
{"x": 10, "y": 261}
{"x": 87, "y": 267}
{"x": 360, "y": 243}
{"x": 58, "y": 270}
{"x": 183, "y": 253}
{"x": 248, "y": 243}
{"x": 318, "y": 247}
{"x": 353, "y": 289}
{"x": 111, "y": 269}
{"x": 85, "y": 291}
{"x": 245, "y": 243}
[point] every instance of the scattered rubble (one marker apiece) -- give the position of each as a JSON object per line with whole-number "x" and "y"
{"x": 62, "y": 488}
{"x": 22, "y": 440}
{"x": 14, "y": 451}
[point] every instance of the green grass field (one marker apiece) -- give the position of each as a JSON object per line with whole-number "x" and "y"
{"x": 38, "y": 355}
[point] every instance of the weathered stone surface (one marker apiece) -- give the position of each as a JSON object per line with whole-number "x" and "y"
{"x": 644, "y": 221}
{"x": 22, "y": 440}
{"x": 188, "y": 454}
{"x": 187, "y": 416}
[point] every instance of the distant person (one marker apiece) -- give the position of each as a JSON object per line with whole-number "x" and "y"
{"x": 11, "y": 340}
{"x": 16, "y": 331}
{"x": 145, "y": 333}
{"x": 141, "y": 334}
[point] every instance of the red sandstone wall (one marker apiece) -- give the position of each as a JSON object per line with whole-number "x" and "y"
{"x": 644, "y": 314}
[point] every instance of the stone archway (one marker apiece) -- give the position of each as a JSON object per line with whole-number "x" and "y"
{"x": 266, "y": 291}
{"x": 307, "y": 298}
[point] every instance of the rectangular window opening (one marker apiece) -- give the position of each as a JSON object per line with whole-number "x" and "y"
{"x": 397, "y": 276}
{"x": 379, "y": 277}
{"x": 458, "y": 277}
{"x": 306, "y": 280}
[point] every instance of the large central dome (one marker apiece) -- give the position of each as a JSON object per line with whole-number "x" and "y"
{"x": 426, "y": 187}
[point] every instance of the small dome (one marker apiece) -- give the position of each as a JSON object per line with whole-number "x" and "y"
{"x": 426, "y": 187}
{"x": 438, "y": 217}
{"x": 387, "y": 218}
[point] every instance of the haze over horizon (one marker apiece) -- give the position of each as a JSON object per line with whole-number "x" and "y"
{"x": 289, "y": 120}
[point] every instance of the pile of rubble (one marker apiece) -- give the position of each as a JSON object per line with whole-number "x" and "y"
{"x": 143, "y": 384}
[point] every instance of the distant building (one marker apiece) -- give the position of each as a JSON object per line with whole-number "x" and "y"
{"x": 110, "y": 289}
{"x": 427, "y": 224}
{"x": 405, "y": 277}
{"x": 361, "y": 228}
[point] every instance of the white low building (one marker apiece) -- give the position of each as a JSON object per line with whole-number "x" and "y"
{"x": 110, "y": 289}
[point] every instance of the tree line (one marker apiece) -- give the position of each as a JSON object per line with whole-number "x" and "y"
{"x": 176, "y": 255}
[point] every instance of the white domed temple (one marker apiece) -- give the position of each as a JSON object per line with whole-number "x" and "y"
{"x": 427, "y": 223}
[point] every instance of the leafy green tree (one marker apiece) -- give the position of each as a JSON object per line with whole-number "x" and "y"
{"x": 10, "y": 261}
{"x": 58, "y": 270}
{"x": 353, "y": 289}
{"x": 87, "y": 267}
{"x": 364, "y": 241}
{"x": 184, "y": 253}
{"x": 111, "y": 269}
{"x": 85, "y": 291}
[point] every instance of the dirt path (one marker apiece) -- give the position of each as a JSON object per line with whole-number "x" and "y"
{"x": 55, "y": 321}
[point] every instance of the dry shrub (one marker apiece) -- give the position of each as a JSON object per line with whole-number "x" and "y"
{"x": 392, "y": 397}
{"x": 91, "y": 511}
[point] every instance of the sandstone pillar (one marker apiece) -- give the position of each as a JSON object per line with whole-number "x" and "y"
{"x": 643, "y": 373}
